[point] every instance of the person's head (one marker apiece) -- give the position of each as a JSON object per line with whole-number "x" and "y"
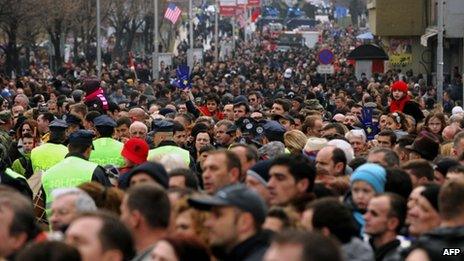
{"x": 148, "y": 172}
{"x": 247, "y": 154}
{"x": 100, "y": 236}
{"x": 385, "y": 216}
{"x": 254, "y": 98}
{"x": 17, "y": 222}
{"x": 229, "y": 112}
{"x": 44, "y": 120}
{"x": 340, "y": 102}
{"x": 332, "y": 161}
{"x": 400, "y": 147}
{"x": 358, "y": 140}
{"x": 332, "y": 129}
{"x": 312, "y": 126}
{"x": 399, "y": 90}
{"x": 49, "y": 250}
{"x": 221, "y": 168}
{"x": 450, "y": 203}
{"x": 386, "y": 139}
{"x": 108, "y": 199}
{"x": 80, "y": 142}
{"x": 435, "y": 122}
{"x": 28, "y": 143}
{"x": 383, "y": 156}
{"x": 66, "y": 205}
{"x": 22, "y": 100}
{"x": 212, "y": 102}
{"x": 295, "y": 141}
{"x": 458, "y": 144}
{"x": 367, "y": 181}
{"x": 202, "y": 139}
{"x": 331, "y": 217}
{"x": 144, "y": 209}
{"x": 423, "y": 216}
{"x": 396, "y": 121}
{"x": 300, "y": 245}
{"x": 456, "y": 172}
{"x": 180, "y": 247}
{"x": 122, "y": 128}
{"x": 241, "y": 110}
{"x": 279, "y": 219}
{"x": 281, "y": 106}
{"x": 180, "y": 134}
{"x": 291, "y": 177}
{"x": 441, "y": 169}
{"x": 183, "y": 178}
{"x": 187, "y": 220}
{"x": 138, "y": 129}
{"x": 237, "y": 213}
{"x": 222, "y": 134}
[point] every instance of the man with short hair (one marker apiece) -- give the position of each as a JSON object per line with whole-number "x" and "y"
{"x": 139, "y": 130}
{"x": 17, "y": 222}
{"x": 237, "y": 214}
{"x": 255, "y": 100}
{"x": 183, "y": 178}
{"x": 43, "y": 121}
{"x": 384, "y": 218}
{"x": 302, "y": 246}
{"x": 331, "y": 161}
{"x": 67, "y": 204}
{"x": 145, "y": 210}
{"x": 281, "y": 106}
{"x": 383, "y": 156}
{"x": 458, "y": 144}
{"x": 100, "y": 236}
{"x": 248, "y": 156}
{"x": 312, "y": 126}
{"x": 122, "y": 132}
{"x": 228, "y": 111}
{"x": 221, "y": 168}
{"x": 223, "y": 133}
{"x": 358, "y": 140}
{"x": 420, "y": 171}
{"x": 386, "y": 139}
{"x": 241, "y": 110}
{"x": 291, "y": 180}
{"x": 450, "y": 233}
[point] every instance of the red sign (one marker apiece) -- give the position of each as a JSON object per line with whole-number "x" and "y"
{"x": 227, "y": 7}
{"x": 254, "y": 3}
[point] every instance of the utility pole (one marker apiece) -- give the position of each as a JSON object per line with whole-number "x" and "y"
{"x": 216, "y": 32}
{"x": 99, "y": 62}
{"x": 440, "y": 53}
{"x": 155, "y": 41}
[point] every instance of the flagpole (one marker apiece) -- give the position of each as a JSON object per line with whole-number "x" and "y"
{"x": 190, "y": 53}
{"x": 155, "y": 41}
{"x": 99, "y": 61}
{"x": 216, "y": 32}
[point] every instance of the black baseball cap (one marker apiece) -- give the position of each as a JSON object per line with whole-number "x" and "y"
{"x": 238, "y": 196}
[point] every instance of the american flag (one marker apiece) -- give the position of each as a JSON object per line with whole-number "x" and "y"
{"x": 172, "y": 13}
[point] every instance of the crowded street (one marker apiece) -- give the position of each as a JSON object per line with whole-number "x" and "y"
{"x": 315, "y": 130}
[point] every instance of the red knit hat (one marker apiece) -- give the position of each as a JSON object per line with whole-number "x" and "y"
{"x": 135, "y": 150}
{"x": 399, "y": 86}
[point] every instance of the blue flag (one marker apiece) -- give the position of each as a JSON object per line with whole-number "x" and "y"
{"x": 371, "y": 127}
{"x": 183, "y": 79}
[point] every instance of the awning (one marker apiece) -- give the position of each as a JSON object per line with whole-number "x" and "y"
{"x": 367, "y": 52}
{"x": 429, "y": 32}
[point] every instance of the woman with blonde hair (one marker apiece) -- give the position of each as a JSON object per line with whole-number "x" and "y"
{"x": 295, "y": 141}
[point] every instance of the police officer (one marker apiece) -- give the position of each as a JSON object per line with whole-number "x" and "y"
{"x": 75, "y": 169}
{"x": 47, "y": 155}
{"x": 107, "y": 150}
{"x": 163, "y": 140}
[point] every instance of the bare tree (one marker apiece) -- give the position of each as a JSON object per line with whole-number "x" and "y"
{"x": 12, "y": 15}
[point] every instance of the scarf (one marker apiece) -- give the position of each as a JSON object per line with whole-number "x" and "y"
{"x": 100, "y": 95}
{"x": 398, "y": 105}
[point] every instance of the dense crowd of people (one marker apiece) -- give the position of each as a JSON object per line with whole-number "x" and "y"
{"x": 262, "y": 158}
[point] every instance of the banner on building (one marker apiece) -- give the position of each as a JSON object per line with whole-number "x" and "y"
{"x": 227, "y": 7}
{"x": 399, "y": 51}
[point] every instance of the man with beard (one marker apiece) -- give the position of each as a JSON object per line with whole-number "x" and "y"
{"x": 237, "y": 214}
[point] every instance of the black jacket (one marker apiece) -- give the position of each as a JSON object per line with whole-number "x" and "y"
{"x": 252, "y": 249}
{"x": 439, "y": 239}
